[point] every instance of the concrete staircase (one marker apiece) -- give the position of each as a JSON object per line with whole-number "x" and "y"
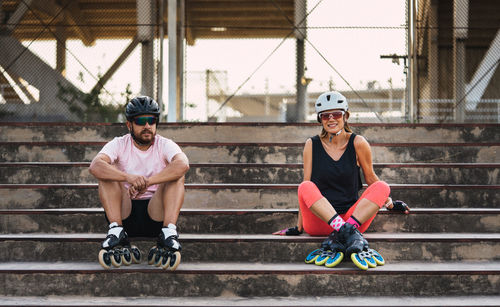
{"x": 241, "y": 187}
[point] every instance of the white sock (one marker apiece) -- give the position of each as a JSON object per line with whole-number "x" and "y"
{"x": 114, "y": 229}
{"x": 170, "y": 230}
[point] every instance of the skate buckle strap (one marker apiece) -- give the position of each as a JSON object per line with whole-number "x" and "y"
{"x": 113, "y": 225}
{"x": 365, "y": 254}
{"x": 175, "y": 244}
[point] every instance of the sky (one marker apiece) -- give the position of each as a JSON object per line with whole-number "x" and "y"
{"x": 351, "y": 51}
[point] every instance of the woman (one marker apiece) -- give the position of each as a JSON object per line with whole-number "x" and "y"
{"x": 328, "y": 196}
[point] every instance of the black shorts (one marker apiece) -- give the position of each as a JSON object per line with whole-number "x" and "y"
{"x": 139, "y": 223}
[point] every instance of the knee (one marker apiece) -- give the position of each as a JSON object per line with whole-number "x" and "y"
{"x": 382, "y": 187}
{"x": 306, "y": 186}
{"x": 379, "y": 192}
{"x": 308, "y": 193}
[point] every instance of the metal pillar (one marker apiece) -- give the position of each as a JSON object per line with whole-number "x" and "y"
{"x": 181, "y": 44}
{"x": 172, "y": 61}
{"x": 460, "y": 23}
{"x": 301, "y": 88}
{"x": 411, "y": 70}
{"x": 61, "y": 50}
{"x": 414, "y": 65}
{"x": 433, "y": 56}
{"x": 161, "y": 37}
{"x": 145, "y": 34}
{"x": 298, "y": 113}
{"x": 406, "y": 107}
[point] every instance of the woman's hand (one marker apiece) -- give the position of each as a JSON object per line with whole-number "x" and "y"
{"x": 292, "y": 231}
{"x": 397, "y": 205}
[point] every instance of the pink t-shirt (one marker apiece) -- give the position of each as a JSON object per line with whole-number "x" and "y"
{"x": 131, "y": 160}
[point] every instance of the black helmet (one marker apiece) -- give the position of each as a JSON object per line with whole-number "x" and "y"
{"x": 141, "y": 105}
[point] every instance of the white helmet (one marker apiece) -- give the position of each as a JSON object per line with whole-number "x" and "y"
{"x": 331, "y": 100}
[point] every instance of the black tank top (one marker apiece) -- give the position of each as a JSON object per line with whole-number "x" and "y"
{"x": 338, "y": 181}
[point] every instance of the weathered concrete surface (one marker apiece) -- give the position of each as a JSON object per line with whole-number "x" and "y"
{"x": 238, "y": 279}
{"x": 257, "y": 221}
{"x": 262, "y": 173}
{"x": 256, "y": 248}
{"x": 303, "y": 301}
{"x": 221, "y": 257}
{"x": 241, "y": 197}
{"x": 255, "y": 153}
{"x": 255, "y": 132}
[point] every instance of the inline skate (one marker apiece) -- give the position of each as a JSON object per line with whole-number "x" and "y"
{"x": 329, "y": 254}
{"x": 116, "y": 249}
{"x": 357, "y": 247}
{"x": 167, "y": 252}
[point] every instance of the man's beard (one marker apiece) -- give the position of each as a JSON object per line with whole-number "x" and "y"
{"x": 139, "y": 140}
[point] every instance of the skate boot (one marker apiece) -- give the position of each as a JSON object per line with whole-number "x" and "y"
{"x": 167, "y": 252}
{"x": 357, "y": 247}
{"x": 116, "y": 249}
{"x": 329, "y": 254}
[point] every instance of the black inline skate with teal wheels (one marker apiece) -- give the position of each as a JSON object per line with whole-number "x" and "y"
{"x": 358, "y": 249}
{"x": 330, "y": 254}
{"x": 167, "y": 252}
{"x": 116, "y": 249}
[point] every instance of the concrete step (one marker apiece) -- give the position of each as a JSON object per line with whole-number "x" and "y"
{"x": 263, "y": 152}
{"x": 440, "y": 173}
{"x": 256, "y": 248}
{"x": 249, "y": 221}
{"x": 251, "y": 132}
{"x": 303, "y": 301}
{"x": 236, "y": 279}
{"x": 245, "y": 196}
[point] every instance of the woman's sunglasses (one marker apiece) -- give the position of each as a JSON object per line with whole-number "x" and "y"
{"x": 141, "y": 121}
{"x": 334, "y": 115}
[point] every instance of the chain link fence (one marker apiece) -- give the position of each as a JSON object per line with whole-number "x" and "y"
{"x": 396, "y": 61}
{"x": 74, "y": 60}
{"x": 322, "y": 45}
{"x": 457, "y": 47}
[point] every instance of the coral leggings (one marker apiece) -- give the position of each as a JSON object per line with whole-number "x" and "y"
{"x": 309, "y": 193}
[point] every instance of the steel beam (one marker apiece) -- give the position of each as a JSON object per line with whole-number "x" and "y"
{"x": 461, "y": 24}
{"x": 119, "y": 61}
{"x": 483, "y": 74}
{"x": 172, "y": 61}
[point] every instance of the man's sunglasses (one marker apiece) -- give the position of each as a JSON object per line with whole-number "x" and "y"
{"x": 333, "y": 114}
{"x": 141, "y": 121}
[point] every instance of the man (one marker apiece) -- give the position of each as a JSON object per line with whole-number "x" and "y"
{"x": 141, "y": 187}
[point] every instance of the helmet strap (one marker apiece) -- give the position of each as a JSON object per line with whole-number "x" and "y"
{"x": 334, "y": 134}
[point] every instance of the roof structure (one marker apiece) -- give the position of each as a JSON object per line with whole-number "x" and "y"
{"x": 89, "y": 20}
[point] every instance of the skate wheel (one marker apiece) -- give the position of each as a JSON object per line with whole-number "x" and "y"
{"x": 371, "y": 262}
{"x": 116, "y": 258}
{"x": 104, "y": 259}
{"x": 157, "y": 257}
{"x": 136, "y": 254}
{"x": 175, "y": 260}
{"x": 323, "y": 257}
{"x": 335, "y": 260}
{"x": 377, "y": 257}
{"x": 165, "y": 261}
{"x": 151, "y": 255}
{"x": 313, "y": 255}
{"x": 359, "y": 261}
{"x": 126, "y": 256}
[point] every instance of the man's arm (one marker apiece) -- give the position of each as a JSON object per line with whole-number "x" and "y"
{"x": 177, "y": 168}
{"x": 102, "y": 169}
